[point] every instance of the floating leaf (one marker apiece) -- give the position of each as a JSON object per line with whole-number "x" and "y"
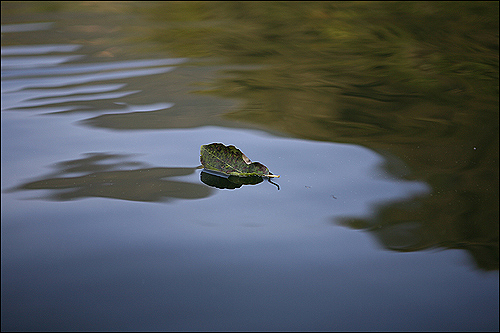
{"x": 229, "y": 160}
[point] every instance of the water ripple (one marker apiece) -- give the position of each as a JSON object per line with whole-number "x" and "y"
{"x": 40, "y": 80}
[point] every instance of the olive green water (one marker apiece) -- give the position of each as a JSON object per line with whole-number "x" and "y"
{"x": 418, "y": 80}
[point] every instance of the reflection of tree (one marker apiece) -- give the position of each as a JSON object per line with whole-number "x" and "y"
{"x": 105, "y": 177}
{"x": 450, "y": 221}
{"x": 418, "y": 80}
{"x": 462, "y": 210}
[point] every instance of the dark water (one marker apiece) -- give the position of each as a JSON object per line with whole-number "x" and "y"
{"x": 381, "y": 119}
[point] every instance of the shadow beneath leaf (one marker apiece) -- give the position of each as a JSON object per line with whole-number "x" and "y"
{"x": 112, "y": 176}
{"x": 230, "y": 182}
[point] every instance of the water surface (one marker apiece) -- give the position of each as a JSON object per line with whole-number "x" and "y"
{"x": 386, "y": 217}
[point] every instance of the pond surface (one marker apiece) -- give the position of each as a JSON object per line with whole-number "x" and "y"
{"x": 386, "y": 215}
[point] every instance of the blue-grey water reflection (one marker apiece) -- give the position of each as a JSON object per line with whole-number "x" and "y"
{"x": 106, "y": 224}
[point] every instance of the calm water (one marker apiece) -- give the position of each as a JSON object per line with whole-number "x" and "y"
{"x": 387, "y": 146}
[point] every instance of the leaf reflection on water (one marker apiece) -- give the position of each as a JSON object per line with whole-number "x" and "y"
{"x": 113, "y": 180}
{"x": 221, "y": 181}
{"x": 231, "y": 182}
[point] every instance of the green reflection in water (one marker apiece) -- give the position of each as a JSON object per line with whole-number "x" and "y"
{"x": 418, "y": 80}
{"x": 105, "y": 176}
